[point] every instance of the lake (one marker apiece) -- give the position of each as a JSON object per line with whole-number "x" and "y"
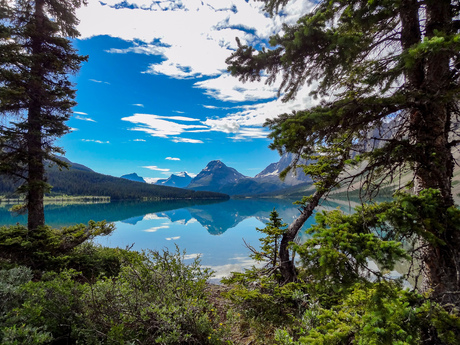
{"x": 213, "y": 230}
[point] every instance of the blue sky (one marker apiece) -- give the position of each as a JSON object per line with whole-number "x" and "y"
{"x": 155, "y": 98}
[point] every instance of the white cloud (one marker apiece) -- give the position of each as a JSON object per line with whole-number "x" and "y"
{"x": 172, "y": 159}
{"x": 147, "y": 49}
{"x": 192, "y": 256}
{"x": 95, "y": 141}
{"x": 200, "y": 49}
{"x": 193, "y": 39}
{"x": 139, "y": 105}
{"x": 139, "y": 140}
{"x": 84, "y": 118}
{"x": 80, "y": 113}
{"x": 99, "y": 81}
{"x": 172, "y": 238}
{"x": 226, "y": 125}
{"x": 179, "y": 112}
{"x": 251, "y": 133}
{"x": 186, "y": 140}
{"x": 154, "y": 167}
{"x": 162, "y": 126}
{"x": 248, "y": 122}
{"x": 228, "y": 88}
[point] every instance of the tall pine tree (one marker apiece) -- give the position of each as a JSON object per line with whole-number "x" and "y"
{"x": 35, "y": 93}
{"x": 391, "y": 69}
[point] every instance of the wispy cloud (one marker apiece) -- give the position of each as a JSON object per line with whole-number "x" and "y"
{"x": 163, "y": 126}
{"x": 80, "y": 113}
{"x": 138, "y": 48}
{"x": 139, "y": 105}
{"x": 150, "y": 28}
{"x": 187, "y": 140}
{"x": 95, "y": 141}
{"x": 99, "y": 81}
{"x": 172, "y": 159}
{"x": 211, "y": 26}
{"x": 230, "y": 89}
{"x": 154, "y": 167}
{"x": 139, "y": 140}
{"x": 250, "y": 133}
{"x": 84, "y": 118}
{"x": 179, "y": 112}
{"x": 192, "y": 256}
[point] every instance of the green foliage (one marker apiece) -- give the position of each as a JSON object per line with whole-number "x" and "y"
{"x": 94, "y": 260}
{"x": 269, "y": 248}
{"x": 76, "y": 181}
{"x": 257, "y": 295}
{"x": 46, "y": 245}
{"x": 10, "y": 292}
{"x": 154, "y": 298}
{"x": 53, "y": 305}
{"x": 36, "y": 96}
{"x": 339, "y": 298}
{"x": 18, "y": 335}
{"x": 380, "y": 313}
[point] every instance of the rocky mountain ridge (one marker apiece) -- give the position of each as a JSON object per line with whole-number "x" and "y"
{"x": 180, "y": 180}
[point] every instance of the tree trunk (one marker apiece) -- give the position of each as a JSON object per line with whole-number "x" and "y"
{"x": 287, "y": 266}
{"x": 430, "y": 122}
{"x": 36, "y": 170}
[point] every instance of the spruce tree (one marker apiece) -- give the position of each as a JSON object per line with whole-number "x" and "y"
{"x": 390, "y": 71}
{"x": 35, "y": 92}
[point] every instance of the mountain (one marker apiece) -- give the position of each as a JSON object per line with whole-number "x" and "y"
{"x": 273, "y": 171}
{"x": 181, "y": 180}
{"x": 220, "y": 178}
{"x": 80, "y": 180}
{"x": 75, "y": 166}
{"x": 215, "y": 176}
{"x": 133, "y": 177}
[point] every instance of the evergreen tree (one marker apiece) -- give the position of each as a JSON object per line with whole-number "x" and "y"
{"x": 269, "y": 244}
{"x": 391, "y": 69}
{"x": 35, "y": 93}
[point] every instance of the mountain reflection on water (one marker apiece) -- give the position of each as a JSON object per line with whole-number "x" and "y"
{"x": 213, "y": 230}
{"x": 215, "y": 216}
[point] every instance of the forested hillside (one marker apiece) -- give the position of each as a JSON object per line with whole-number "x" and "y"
{"x": 80, "y": 180}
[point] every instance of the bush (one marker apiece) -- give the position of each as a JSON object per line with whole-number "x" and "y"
{"x": 154, "y": 299}
{"x": 11, "y": 281}
{"x": 51, "y": 309}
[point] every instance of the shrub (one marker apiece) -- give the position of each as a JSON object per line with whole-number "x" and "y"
{"x": 155, "y": 299}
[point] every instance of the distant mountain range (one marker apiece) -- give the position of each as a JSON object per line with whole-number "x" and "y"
{"x": 218, "y": 177}
{"x": 81, "y": 180}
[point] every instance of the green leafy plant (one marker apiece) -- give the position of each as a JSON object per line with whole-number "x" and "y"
{"x": 155, "y": 298}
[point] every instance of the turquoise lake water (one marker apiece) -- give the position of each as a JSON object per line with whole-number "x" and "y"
{"x": 212, "y": 230}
